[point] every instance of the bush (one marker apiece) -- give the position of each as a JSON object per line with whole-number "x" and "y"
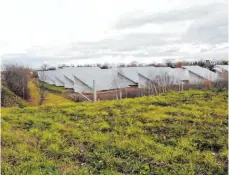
{"x": 8, "y": 98}
{"x": 16, "y": 78}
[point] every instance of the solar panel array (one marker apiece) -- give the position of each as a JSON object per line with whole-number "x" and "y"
{"x": 81, "y": 78}
{"x": 202, "y": 72}
{"x": 220, "y": 68}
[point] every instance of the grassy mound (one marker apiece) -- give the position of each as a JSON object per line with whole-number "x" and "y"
{"x": 177, "y": 133}
{"x": 8, "y": 98}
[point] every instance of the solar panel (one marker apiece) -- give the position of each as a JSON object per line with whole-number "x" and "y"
{"x": 54, "y": 75}
{"x": 46, "y": 77}
{"x": 153, "y": 72}
{"x": 130, "y": 73}
{"x": 180, "y": 73}
{"x": 77, "y": 76}
{"x": 105, "y": 79}
{"x": 224, "y": 67}
{"x": 202, "y": 72}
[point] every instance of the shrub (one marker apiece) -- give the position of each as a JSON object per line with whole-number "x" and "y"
{"x": 16, "y": 78}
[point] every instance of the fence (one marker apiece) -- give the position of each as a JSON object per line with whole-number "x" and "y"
{"x": 133, "y": 92}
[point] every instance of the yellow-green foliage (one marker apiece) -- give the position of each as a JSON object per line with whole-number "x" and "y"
{"x": 8, "y": 98}
{"x": 174, "y": 133}
{"x": 53, "y": 99}
{"x": 50, "y": 98}
{"x": 34, "y": 93}
{"x": 54, "y": 89}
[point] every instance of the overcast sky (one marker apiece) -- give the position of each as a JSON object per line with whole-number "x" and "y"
{"x": 34, "y": 32}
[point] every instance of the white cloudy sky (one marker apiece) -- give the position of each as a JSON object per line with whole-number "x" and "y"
{"x": 34, "y": 32}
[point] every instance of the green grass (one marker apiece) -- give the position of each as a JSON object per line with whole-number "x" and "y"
{"x": 34, "y": 93}
{"x": 52, "y": 99}
{"x": 177, "y": 133}
{"x": 9, "y": 99}
{"x": 55, "y": 89}
{"x": 52, "y": 95}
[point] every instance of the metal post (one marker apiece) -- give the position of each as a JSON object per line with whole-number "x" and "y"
{"x": 84, "y": 96}
{"x": 94, "y": 91}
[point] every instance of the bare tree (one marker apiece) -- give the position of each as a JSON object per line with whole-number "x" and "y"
{"x": 117, "y": 83}
{"x": 41, "y": 82}
{"x": 122, "y": 82}
{"x": 147, "y": 84}
{"x": 121, "y": 65}
{"x": 132, "y": 64}
{"x": 16, "y": 78}
{"x": 161, "y": 83}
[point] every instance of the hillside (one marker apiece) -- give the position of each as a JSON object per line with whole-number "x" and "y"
{"x": 53, "y": 95}
{"x": 8, "y": 98}
{"x": 176, "y": 133}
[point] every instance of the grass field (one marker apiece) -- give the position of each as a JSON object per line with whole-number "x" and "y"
{"x": 177, "y": 133}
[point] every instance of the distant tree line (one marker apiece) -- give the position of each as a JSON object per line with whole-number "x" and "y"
{"x": 206, "y": 64}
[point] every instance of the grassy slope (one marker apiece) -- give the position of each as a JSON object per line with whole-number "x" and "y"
{"x": 183, "y": 133}
{"x": 54, "y": 89}
{"x": 53, "y": 99}
{"x": 34, "y": 94}
{"x": 8, "y": 98}
{"x": 50, "y": 98}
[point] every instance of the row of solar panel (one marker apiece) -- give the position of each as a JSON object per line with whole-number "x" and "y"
{"x": 81, "y": 78}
